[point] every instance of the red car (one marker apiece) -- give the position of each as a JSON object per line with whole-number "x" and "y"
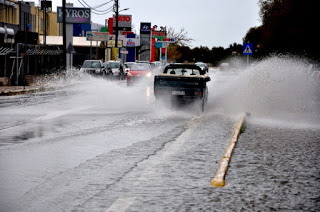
{"x": 139, "y": 72}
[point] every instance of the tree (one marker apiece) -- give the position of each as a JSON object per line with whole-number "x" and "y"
{"x": 289, "y": 26}
{"x": 181, "y": 37}
{"x": 181, "y": 40}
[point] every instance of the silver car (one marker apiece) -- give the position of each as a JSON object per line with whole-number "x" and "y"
{"x": 93, "y": 67}
{"x": 114, "y": 68}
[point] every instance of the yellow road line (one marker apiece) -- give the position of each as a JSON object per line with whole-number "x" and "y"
{"x": 219, "y": 179}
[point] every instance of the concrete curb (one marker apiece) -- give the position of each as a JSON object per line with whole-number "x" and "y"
{"x": 219, "y": 179}
{"x": 29, "y": 90}
{"x": 20, "y": 91}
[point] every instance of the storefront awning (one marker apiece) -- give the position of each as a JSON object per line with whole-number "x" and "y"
{"x": 8, "y": 31}
{"x": 77, "y": 41}
{"x": 8, "y": 3}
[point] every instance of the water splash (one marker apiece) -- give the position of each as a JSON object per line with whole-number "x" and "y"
{"x": 277, "y": 90}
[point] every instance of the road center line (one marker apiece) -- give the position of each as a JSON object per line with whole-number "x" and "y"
{"x": 59, "y": 113}
{"x": 171, "y": 150}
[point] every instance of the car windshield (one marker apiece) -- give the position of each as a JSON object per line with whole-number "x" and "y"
{"x": 140, "y": 67}
{"x": 201, "y": 64}
{"x": 114, "y": 65}
{"x": 183, "y": 71}
{"x": 128, "y": 65}
{"x": 91, "y": 64}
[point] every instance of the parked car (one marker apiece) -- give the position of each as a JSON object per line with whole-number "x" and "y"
{"x": 93, "y": 67}
{"x": 139, "y": 72}
{"x": 203, "y": 66}
{"x": 115, "y": 69}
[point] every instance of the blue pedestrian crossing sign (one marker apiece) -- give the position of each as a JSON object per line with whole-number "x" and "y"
{"x": 247, "y": 49}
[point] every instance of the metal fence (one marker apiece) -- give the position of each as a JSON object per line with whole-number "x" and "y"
{"x": 24, "y": 60}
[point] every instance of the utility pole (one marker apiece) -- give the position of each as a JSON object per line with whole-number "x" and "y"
{"x": 45, "y": 22}
{"x": 117, "y": 22}
{"x": 64, "y": 32}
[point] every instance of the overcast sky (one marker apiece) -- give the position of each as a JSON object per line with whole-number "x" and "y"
{"x": 210, "y": 23}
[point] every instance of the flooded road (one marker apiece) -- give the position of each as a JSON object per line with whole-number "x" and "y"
{"x": 99, "y": 145}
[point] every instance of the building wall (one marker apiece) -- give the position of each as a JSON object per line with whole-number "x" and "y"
{"x": 52, "y": 25}
{"x": 9, "y": 14}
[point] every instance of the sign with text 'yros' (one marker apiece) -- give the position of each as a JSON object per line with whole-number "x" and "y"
{"x": 123, "y": 21}
{"x": 75, "y": 15}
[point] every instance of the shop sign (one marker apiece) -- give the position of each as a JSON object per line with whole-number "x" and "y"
{"x": 159, "y": 34}
{"x": 75, "y": 15}
{"x": 123, "y": 21}
{"x": 166, "y": 39}
{"x": 131, "y": 42}
{"x": 97, "y": 36}
{"x": 145, "y": 28}
{"x": 112, "y": 43}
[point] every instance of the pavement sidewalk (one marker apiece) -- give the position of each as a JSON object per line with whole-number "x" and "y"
{"x": 35, "y": 83}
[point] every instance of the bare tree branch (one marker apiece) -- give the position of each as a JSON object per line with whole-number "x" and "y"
{"x": 181, "y": 37}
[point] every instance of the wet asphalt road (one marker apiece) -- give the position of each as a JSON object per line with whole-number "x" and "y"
{"x": 68, "y": 151}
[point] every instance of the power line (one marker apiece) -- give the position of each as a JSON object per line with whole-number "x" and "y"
{"x": 102, "y": 4}
{"x": 95, "y": 11}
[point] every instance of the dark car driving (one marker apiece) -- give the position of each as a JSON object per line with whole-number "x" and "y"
{"x": 203, "y": 66}
{"x": 182, "y": 83}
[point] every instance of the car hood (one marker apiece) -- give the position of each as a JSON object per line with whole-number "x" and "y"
{"x": 115, "y": 70}
{"x": 139, "y": 73}
{"x": 89, "y": 69}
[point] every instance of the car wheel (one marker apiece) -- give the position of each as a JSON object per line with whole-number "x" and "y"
{"x": 122, "y": 76}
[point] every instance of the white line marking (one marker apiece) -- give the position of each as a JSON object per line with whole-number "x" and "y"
{"x": 169, "y": 152}
{"x": 121, "y": 204}
{"x": 59, "y": 113}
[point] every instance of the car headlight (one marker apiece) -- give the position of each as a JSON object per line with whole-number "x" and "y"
{"x": 97, "y": 71}
{"x": 149, "y": 74}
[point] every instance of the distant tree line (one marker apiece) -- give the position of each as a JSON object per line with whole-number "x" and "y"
{"x": 288, "y": 27}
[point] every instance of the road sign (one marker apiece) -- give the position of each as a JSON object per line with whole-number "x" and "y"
{"x": 247, "y": 49}
{"x": 124, "y": 51}
{"x": 70, "y": 49}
